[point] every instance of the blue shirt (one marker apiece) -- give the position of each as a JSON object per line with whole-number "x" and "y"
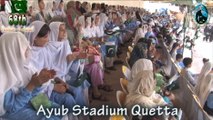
{"x": 14, "y": 102}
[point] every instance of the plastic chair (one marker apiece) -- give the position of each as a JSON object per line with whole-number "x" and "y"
{"x": 121, "y": 97}
{"x": 127, "y": 73}
{"x": 130, "y": 49}
{"x": 124, "y": 83}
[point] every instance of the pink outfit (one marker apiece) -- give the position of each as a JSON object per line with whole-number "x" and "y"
{"x": 95, "y": 71}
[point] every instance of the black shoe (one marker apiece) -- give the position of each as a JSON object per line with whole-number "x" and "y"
{"x": 111, "y": 68}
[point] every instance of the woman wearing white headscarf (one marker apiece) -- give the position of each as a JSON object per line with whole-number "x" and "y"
{"x": 19, "y": 82}
{"x": 63, "y": 58}
{"x": 50, "y": 8}
{"x": 60, "y": 48}
{"x": 42, "y": 57}
{"x": 40, "y": 15}
{"x": 141, "y": 87}
{"x": 59, "y": 4}
{"x": 140, "y": 33}
{"x": 87, "y": 30}
{"x": 38, "y": 40}
{"x": 205, "y": 83}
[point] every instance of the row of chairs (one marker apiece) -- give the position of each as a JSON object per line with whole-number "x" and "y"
{"x": 121, "y": 95}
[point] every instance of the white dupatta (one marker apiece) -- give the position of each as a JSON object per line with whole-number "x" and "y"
{"x": 13, "y": 61}
{"x": 40, "y": 56}
{"x": 204, "y": 83}
{"x": 59, "y": 51}
{"x": 141, "y": 87}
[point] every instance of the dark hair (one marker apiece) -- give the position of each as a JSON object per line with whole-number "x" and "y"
{"x": 187, "y": 61}
{"x": 92, "y": 20}
{"x": 43, "y": 31}
{"x": 174, "y": 46}
{"x": 179, "y": 56}
{"x": 39, "y": 1}
{"x": 93, "y": 6}
{"x": 77, "y": 2}
{"x": 103, "y": 8}
{"x": 142, "y": 40}
{"x": 2, "y": 8}
{"x": 138, "y": 16}
{"x": 148, "y": 42}
{"x": 205, "y": 60}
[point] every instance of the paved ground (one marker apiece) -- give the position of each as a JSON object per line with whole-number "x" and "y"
{"x": 113, "y": 79}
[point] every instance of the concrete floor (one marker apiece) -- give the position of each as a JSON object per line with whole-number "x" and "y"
{"x": 112, "y": 79}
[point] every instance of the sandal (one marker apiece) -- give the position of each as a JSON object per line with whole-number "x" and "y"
{"x": 106, "y": 88}
{"x": 100, "y": 97}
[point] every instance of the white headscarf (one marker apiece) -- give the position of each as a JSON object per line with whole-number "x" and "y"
{"x": 4, "y": 19}
{"x": 57, "y": 3}
{"x": 87, "y": 31}
{"x": 48, "y": 8}
{"x": 59, "y": 12}
{"x": 142, "y": 65}
{"x": 140, "y": 33}
{"x": 40, "y": 55}
{"x": 59, "y": 50}
{"x": 141, "y": 88}
{"x": 32, "y": 35}
{"x": 204, "y": 83}
{"x": 14, "y": 73}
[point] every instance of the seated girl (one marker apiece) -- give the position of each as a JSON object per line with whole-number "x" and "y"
{"x": 142, "y": 86}
{"x": 42, "y": 57}
{"x": 63, "y": 58}
{"x": 20, "y": 83}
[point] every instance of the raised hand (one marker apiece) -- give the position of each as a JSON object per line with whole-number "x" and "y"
{"x": 38, "y": 79}
{"x": 46, "y": 75}
{"x": 59, "y": 81}
{"x": 82, "y": 55}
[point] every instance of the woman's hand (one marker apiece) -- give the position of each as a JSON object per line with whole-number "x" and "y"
{"x": 82, "y": 56}
{"x": 37, "y": 80}
{"x": 60, "y": 88}
{"x": 59, "y": 81}
{"x": 76, "y": 56}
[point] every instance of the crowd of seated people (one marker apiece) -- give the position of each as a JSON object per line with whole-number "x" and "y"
{"x": 63, "y": 57}
{"x": 69, "y": 51}
{"x": 148, "y": 46}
